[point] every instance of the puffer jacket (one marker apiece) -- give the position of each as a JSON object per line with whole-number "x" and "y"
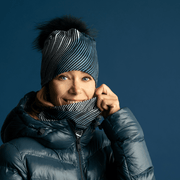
{"x": 50, "y": 150}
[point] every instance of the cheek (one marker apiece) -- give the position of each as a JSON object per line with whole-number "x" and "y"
{"x": 56, "y": 90}
{"x": 56, "y": 94}
{"x": 90, "y": 91}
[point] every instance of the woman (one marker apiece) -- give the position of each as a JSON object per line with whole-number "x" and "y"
{"x": 52, "y": 133}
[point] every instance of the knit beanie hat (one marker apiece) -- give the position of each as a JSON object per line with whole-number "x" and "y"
{"x": 65, "y": 51}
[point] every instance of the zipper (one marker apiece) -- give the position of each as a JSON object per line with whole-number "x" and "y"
{"x": 78, "y": 146}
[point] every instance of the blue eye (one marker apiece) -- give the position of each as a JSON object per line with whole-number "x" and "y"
{"x": 62, "y": 77}
{"x": 86, "y": 78}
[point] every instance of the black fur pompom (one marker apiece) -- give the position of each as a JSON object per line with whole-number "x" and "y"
{"x": 63, "y": 23}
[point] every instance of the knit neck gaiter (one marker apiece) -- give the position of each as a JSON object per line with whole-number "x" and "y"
{"x": 81, "y": 113}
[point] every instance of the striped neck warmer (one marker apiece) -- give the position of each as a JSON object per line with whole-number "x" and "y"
{"x": 82, "y": 113}
{"x": 67, "y": 51}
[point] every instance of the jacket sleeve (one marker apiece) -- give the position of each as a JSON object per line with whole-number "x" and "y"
{"x": 11, "y": 166}
{"x": 131, "y": 158}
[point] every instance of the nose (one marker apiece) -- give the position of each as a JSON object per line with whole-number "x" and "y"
{"x": 75, "y": 88}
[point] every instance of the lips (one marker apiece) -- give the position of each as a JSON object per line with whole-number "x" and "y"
{"x": 72, "y": 101}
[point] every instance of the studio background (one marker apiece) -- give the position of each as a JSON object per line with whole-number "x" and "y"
{"x": 139, "y": 55}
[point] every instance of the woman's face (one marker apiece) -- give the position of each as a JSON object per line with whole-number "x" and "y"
{"x": 71, "y": 87}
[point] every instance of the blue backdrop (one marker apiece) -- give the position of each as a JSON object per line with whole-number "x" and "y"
{"x": 139, "y": 54}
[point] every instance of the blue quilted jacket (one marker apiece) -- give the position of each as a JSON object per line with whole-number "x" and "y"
{"x": 50, "y": 150}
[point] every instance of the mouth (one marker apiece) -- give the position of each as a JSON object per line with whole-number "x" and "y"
{"x": 72, "y": 101}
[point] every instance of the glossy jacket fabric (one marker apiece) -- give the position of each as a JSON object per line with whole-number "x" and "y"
{"x": 41, "y": 150}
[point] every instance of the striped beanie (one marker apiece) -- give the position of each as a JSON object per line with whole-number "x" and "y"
{"x": 65, "y": 51}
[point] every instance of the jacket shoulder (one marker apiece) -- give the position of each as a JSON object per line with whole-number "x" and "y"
{"x": 15, "y": 120}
